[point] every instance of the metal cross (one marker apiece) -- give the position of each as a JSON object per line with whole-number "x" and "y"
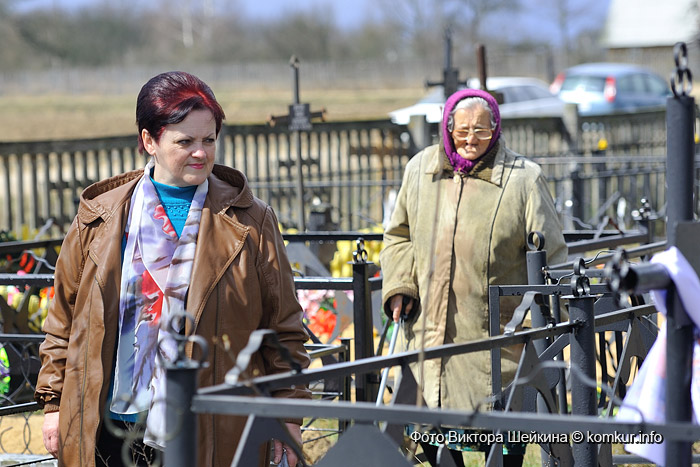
{"x": 450, "y": 75}
{"x": 481, "y": 67}
{"x": 298, "y": 119}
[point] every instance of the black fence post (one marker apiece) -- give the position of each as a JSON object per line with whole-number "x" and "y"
{"x": 536, "y": 260}
{"x": 583, "y": 374}
{"x": 578, "y": 197}
{"x": 344, "y": 356}
{"x": 561, "y": 385}
{"x": 181, "y": 422}
{"x": 644, "y": 216}
{"x": 680, "y": 119}
{"x": 180, "y": 432}
{"x": 365, "y": 385}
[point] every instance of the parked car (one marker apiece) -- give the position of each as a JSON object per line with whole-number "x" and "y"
{"x": 604, "y": 88}
{"x": 522, "y": 97}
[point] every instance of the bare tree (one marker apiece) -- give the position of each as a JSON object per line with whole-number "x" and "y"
{"x": 14, "y": 52}
{"x": 473, "y": 13}
{"x": 567, "y": 12}
{"x": 196, "y": 31}
{"x": 419, "y": 22}
{"x": 309, "y": 35}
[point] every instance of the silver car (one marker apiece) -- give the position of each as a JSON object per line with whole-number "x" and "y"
{"x": 522, "y": 97}
{"x": 605, "y": 88}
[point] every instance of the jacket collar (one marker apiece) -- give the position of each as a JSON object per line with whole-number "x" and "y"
{"x": 104, "y": 198}
{"x": 228, "y": 188}
{"x": 491, "y": 172}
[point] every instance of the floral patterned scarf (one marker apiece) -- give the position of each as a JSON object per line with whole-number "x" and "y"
{"x": 156, "y": 272}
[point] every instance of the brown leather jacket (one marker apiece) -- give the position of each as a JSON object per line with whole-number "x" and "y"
{"x": 241, "y": 281}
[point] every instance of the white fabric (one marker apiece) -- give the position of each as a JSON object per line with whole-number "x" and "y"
{"x": 646, "y": 399}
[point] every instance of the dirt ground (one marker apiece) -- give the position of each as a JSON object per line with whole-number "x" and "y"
{"x": 21, "y": 434}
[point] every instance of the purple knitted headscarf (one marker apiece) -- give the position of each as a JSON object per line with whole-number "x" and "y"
{"x": 459, "y": 163}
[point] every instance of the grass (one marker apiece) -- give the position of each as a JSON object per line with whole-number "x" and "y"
{"x": 69, "y": 116}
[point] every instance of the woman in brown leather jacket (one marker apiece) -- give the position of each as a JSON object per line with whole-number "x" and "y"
{"x": 182, "y": 236}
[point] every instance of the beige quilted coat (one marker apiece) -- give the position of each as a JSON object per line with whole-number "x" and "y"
{"x": 449, "y": 238}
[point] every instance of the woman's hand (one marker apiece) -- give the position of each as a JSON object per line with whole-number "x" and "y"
{"x": 50, "y": 431}
{"x": 395, "y": 304}
{"x": 295, "y": 431}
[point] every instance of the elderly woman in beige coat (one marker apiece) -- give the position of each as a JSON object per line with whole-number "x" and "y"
{"x": 460, "y": 224}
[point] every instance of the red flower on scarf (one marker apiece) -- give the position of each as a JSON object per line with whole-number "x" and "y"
{"x": 167, "y": 226}
{"x": 153, "y": 297}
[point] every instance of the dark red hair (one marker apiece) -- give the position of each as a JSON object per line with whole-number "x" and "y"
{"x": 168, "y": 98}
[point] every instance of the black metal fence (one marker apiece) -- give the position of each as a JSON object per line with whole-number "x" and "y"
{"x": 352, "y": 167}
{"x": 347, "y": 165}
{"x": 602, "y": 340}
{"x": 333, "y": 381}
{"x": 601, "y": 189}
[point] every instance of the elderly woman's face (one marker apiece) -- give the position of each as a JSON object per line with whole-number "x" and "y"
{"x": 464, "y": 137}
{"x": 184, "y": 155}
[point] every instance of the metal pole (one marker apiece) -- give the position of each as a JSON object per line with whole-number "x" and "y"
{"x": 344, "y": 356}
{"x": 294, "y": 63}
{"x": 450, "y": 76}
{"x": 481, "y": 64}
{"x": 181, "y": 422}
{"x": 300, "y": 184}
{"x": 365, "y": 390}
{"x": 221, "y": 146}
{"x": 561, "y": 385}
{"x": 577, "y": 190}
{"x": 680, "y": 117}
{"x": 644, "y": 219}
{"x": 385, "y": 372}
{"x": 583, "y": 394}
{"x": 536, "y": 262}
{"x": 448, "y": 48}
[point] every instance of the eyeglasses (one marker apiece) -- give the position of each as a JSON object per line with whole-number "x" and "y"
{"x": 482, "y": 134}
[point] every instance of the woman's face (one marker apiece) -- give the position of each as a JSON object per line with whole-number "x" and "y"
{"x": 184, "y": 155}
{"x": 464, "y": 138}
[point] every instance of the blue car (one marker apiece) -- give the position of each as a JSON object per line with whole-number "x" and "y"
{"x": 606, "y": 88}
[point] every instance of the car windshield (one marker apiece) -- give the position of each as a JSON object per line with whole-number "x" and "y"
{"x": 511, "y": 94}
{"x": 656, "y": 85}
{"x": 524, "y": 93}
{"x": 583, "y": 83}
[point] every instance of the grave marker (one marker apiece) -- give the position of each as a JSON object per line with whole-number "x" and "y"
{"x": 298, "y": 119}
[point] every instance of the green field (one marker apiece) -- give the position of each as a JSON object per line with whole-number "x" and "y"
{"x": 64, "y": 116}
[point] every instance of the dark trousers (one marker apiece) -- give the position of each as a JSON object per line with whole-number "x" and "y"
{"x": 509, "y": 460}
{"x": 110, "y": 447}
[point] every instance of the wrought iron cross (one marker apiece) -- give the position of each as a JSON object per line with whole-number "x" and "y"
{"x": 450, "y": 75}
{"x": 298, "y": 119}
